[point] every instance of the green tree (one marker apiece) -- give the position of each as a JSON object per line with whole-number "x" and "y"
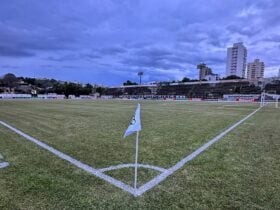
{"x": 185, "y": 79}
{"x": 100, "y": 90}
{"x": 10, "y": 80}
{"x": 128, "y": 82}
{"x": 232, "y": 77}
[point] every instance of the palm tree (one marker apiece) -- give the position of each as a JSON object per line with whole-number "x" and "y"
{"x": 140, "y": 74}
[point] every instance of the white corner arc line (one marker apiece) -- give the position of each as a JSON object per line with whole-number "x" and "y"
{"x": 155, "y": 181}
{"x": 73, "y": 161}
{"x": 4, "y": 165}
{"x": 156, "y": 168}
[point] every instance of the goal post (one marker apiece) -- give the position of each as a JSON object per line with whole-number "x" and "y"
{"x": 273, "y": 98}
{"x": 262, "y": 99}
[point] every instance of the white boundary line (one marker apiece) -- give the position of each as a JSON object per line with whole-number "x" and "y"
{"x": 155, "y": 181}
{"x": 73, "y": 161}
{"x": 149, "y": 185}
{"x": 132, "y": 165}
{"x": 4, "y": 165}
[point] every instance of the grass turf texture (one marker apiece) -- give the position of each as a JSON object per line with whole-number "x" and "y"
{"x": 239, "y": 171}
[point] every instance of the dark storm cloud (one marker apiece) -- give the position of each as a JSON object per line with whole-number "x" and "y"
{"x": 110, "y": 51}
{"x": 155, "y": 57}
{"x": 153, "y": 52}
{"x": 10, "y": 67}
{"x": 63, "y": 58}
{"x": 113, "y": 39}
{"x": 150, "y": 62}
{"x": 46, "y": 44}
{"x": 14, "y": 52}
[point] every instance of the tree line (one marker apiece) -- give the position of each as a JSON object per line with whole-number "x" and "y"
{"x": 185, "y": 79}
{"x": 10, "y": 83}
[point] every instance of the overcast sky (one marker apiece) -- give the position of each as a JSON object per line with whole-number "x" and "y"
{"x": 108, "y": 41}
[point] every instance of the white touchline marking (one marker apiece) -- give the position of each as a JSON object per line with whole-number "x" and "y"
{"x": 149, "y": 185}
{"x": 4, "y": 164}
{"x": 156, "y": 168}
{"x": 155, "y": 181}
{"x": 73, "y": 161}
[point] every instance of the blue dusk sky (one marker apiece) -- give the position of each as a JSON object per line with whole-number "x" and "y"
{"x": 109, "y": 41}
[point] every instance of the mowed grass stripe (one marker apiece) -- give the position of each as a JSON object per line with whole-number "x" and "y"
{"x": 168, "y": 135}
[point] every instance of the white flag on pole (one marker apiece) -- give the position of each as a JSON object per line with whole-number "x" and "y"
{"x": 135, "y": 124}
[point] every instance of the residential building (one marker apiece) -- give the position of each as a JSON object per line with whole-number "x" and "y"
{"x": 203, "y": 71}
{"x": 212, "y": 77}
{"x": 236, "y": 60}
{"x": 255, "y": 70}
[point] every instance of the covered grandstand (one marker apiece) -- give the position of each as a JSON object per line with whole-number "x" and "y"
{"x": 202, "y": 90}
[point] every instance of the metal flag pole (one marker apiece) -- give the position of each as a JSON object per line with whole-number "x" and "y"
{"x": 136, "y": 161}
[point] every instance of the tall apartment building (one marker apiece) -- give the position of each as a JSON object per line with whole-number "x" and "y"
{"x": 236, "y": 60}
{"x": 203, "y": 71}
{"x": 255, "y": 69}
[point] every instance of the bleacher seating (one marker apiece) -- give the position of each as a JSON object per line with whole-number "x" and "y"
{"x": 134, "y": 90}
{"x": 113, "y": 92}
{"x": 273, "y": 88}
{"x": 209, "y": 90}
{"x": 198, "y": 90}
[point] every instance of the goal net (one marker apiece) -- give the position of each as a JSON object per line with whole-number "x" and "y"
{"x": 269, "y": 98}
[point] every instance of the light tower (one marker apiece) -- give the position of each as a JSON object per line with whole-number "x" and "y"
{"x": 140, "y": 74}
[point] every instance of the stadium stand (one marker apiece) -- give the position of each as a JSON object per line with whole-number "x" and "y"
{"x": 201, "y": 90}
{"x": 273, "y": 88}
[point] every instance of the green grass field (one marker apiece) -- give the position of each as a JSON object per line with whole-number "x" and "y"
{"x": 241, "y": 171}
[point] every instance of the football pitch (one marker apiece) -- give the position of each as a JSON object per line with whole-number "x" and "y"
{"x": 239, "y": 171}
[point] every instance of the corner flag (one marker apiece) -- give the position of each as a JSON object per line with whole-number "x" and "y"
{"x": 135, "y": 124}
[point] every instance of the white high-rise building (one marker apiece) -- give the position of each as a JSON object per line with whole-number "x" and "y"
{"x": 236, "y": 60}
{"x": 255, "y": 70}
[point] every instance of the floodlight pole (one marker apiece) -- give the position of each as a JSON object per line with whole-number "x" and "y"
{"x": 136, "y": 161}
